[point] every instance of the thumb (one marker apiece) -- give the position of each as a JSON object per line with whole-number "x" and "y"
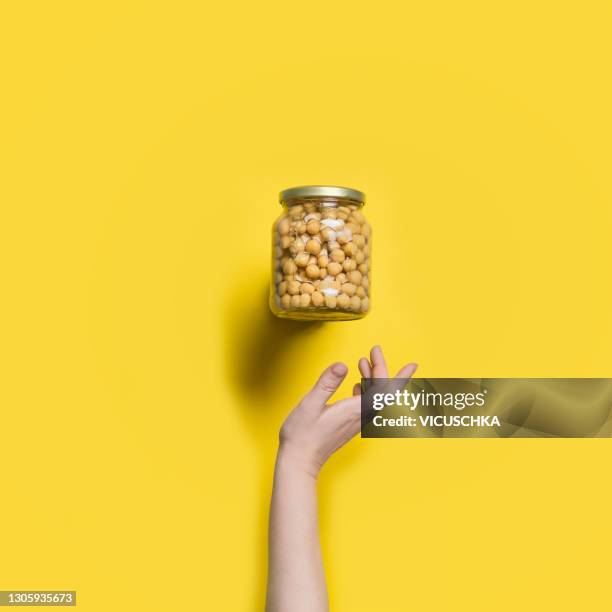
{"x": 326, "y": 386}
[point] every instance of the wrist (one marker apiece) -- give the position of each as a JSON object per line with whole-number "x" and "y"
{"x": 295, "y": 461}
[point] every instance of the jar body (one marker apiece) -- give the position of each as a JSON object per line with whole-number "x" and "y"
{"x": 321, "y": 253}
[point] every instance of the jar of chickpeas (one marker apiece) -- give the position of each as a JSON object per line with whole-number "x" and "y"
{"x": 321, "y": 255}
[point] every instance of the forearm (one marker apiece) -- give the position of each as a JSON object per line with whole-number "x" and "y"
{"x": 296, "y": 581}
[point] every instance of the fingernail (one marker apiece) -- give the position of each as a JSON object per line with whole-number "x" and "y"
{"x": 339, "y": 369}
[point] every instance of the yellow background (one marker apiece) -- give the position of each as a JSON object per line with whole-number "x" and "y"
{"x": 143, "y": 145}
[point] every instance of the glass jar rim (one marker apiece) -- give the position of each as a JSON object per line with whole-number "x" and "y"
{"x": 322, "y": 191}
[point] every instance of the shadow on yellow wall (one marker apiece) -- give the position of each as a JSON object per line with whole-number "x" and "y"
{"x": 257, "y": 346}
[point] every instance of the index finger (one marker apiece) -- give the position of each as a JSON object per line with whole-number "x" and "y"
{"x": 379, "y": 365}
{"x": 326, "y": 386}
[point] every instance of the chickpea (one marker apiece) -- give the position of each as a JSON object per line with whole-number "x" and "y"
{"x": 365, "y": 304}
{"x": 354, "y": 277}
{"x": 295, "y": 212}
{"x": 278, "y": 252}
{"x": 359, "y": 240}
{"x": 329, "y": 213}
{"x": 359, "y": 257}
{"x": 282, "y": 288}
{"x": 297, "y": 247}
{"x": 363, "y": 268}
{"x": 293, "y": 287}
{"x": 317, "y": 299}
{"x": 341, "y": 278}
{"x": 360, "y": 292}
{"x": 354, "y": 227}
{"x": 343, "y": 238}
{"x": 295, "y": 301}
{"x": 365, "y": 283}
{"x": 301, "y": 260}
{"x": 322, "y": 273}
{"x": 285, "y": 242}
{"x": 365, "y": 230}
{"x": 337, "y": 255}
{"x": 313, "y": 227}
{"x": 289, "y": 267}
{"x": 350, "y": 249}
{"x": 323, "y": 261}
{"x": 313, "y": 246}
{"x": 286, "y": 301}
{"x": 343, "y": 301}
{"x": 328, "y": 234}
{"x": 309, "y": 288}
{"x": 326, "y": 283}
{"x": 334, "y": 268}
{"x": 355, "y": 303}
{"x": 349, "y": 289}
{"x": 330, "y": 293}
{"x": 359, "y": 218}
{"x": 305, "y": 300}
{"x": 300, "y": 227}
{"x": 330, "y": 301}
{"x": 283, "y": 226}
{"x": 278, "y": 277}
{"x": 335, "y": 223}
{"x": 349, "y": 264}
{"x": 312, "y": 271}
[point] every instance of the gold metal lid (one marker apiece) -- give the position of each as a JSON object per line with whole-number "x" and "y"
{"x": 314, "y": 191}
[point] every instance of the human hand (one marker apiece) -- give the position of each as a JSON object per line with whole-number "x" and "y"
{"x": 315, "y": 429}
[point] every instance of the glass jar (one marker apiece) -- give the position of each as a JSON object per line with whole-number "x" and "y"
{"x": 321, "y": 247}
